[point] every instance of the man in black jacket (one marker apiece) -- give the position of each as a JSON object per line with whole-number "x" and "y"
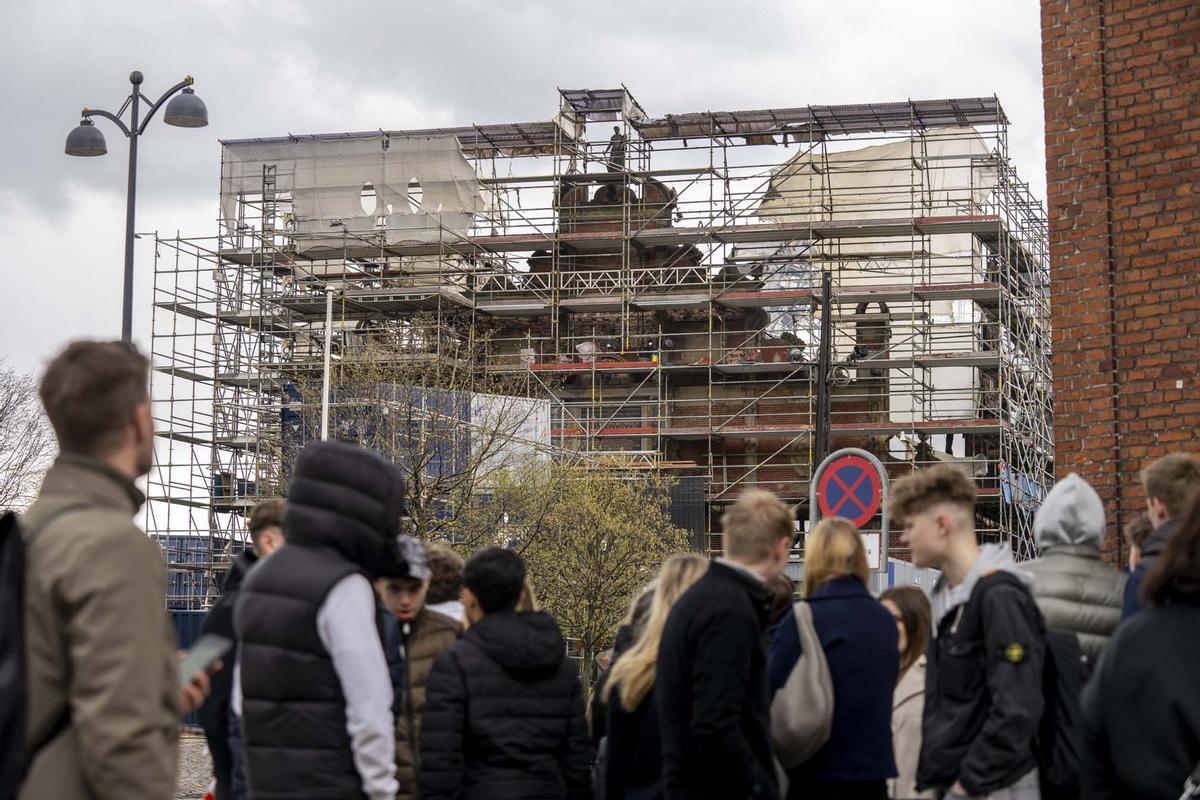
{"x": 983, "y": 681}
{"x": 266, "y": 536}
{"x": 711, "y": 688}
{"x": 503, "y": 710}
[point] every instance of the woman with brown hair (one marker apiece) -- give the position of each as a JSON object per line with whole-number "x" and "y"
{"x": 860, "y": 643}
{"x": 909, "y": 606}
{"x": 1141, "y": 710}
{"x": 633, "y": 762}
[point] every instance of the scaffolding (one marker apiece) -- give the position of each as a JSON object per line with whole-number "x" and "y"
{"x": 656, "y": 279}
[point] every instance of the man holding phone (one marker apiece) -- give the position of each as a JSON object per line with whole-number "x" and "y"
{"x": 104, "y": 696}
{"x": 221, "y": 727}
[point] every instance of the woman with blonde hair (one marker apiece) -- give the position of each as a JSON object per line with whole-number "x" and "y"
{"x": 633, "y": 762}
{"x": 860, "y": 642}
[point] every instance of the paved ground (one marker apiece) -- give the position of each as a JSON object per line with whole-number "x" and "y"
{"x": 195, "y": 768}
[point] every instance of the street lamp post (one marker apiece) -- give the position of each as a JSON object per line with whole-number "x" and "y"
{"x": 185, "y": 110}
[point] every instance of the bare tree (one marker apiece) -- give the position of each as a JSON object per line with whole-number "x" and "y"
{"x": 421, "y": 395}
{"x": 26, "y": 442}
{"x": 593, "y": 538}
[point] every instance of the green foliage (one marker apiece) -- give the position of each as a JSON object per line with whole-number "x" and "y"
{"x": 592, "y": 539}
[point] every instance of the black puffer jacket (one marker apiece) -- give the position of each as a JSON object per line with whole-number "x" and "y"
{"x": 504, "y": 715}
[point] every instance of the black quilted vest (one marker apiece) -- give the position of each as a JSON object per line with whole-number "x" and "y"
{"x": 293, "y": 709}
{"x": 342, "y": 504}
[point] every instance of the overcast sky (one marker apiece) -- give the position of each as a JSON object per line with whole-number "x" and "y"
{"x": 272, "y": 67}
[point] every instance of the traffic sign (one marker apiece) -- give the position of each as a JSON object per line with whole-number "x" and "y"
{"x": 849, "y": 487}
{"x": 852, "y": 483}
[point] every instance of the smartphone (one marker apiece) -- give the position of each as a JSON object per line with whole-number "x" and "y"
{"x": 207, "y": 650}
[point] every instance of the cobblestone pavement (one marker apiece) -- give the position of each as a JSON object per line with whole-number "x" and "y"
{"x": 195, "y": 768}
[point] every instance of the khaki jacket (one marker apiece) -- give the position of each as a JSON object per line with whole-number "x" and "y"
{"x": 97, "y": 641}
{"x": 908, "y": 707}
{"x": 431, "y": 634}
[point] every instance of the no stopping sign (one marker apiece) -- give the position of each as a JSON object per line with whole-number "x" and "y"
{"x": 848, "y": 486}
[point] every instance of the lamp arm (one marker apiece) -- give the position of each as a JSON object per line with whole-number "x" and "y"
{"x": 95, "y": 112}
{"x": 188, "y": 81}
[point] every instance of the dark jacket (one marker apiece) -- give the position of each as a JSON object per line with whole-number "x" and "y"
{"x": 1155, "y": 543}
{"x": 504, "y": 715}
{"x": 342, "y": 503}
{"x": 597, "y": 707}
{"x": 859, "y": 638}
{"x": 1141, "y": 710}
{"x": 983, "y": 698}
{"x": 214, "y": 714}
{"x": 633, "y": 764}
{"x": 712, "y": 691}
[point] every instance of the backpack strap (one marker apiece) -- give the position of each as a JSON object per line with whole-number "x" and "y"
{"x": 972, "y": 610}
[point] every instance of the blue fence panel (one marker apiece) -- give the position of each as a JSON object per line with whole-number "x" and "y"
{"x": 187, "y": 631}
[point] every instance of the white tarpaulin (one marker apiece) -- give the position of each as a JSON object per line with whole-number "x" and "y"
{"x": 327, "y": 178}
{"x": 947, "y": 171}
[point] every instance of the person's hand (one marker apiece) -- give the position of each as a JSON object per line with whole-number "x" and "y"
{"x": 957, "y": 790}
{"x": 193, "y": 694}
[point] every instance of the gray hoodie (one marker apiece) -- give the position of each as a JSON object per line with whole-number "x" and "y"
{"x": 1076, "y": 591}
{"x": 992, "y": 558}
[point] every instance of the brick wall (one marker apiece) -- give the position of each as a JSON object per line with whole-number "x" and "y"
{"x": 1122, "y": 98}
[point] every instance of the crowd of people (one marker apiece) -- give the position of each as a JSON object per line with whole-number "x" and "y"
{"x": 369, "y": 664}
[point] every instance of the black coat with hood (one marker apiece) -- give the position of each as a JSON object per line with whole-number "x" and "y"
{"x": 344, "y": 504}
{"x": 504, "y": 715}
{"x": 1141, "y": 710}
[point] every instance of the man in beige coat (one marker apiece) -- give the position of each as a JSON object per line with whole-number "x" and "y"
{"x": 103, "y": 695}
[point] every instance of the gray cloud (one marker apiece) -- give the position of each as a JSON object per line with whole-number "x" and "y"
{"x": 266, "y": 68}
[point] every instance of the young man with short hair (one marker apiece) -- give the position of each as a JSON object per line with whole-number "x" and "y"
{"x": 413, "y": 636}
{"x": 102, "y": 674}
{"x": 503, "y": 710}
{"x": 711, "y": 688}
{"x": 983, "y": 698}
{"x": 221, "y": 726}
{"x": 1172, "y": 483}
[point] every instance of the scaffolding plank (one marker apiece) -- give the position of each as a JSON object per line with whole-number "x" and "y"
{"x": 599, "y": 366}
{"x": 764, "y": 297}
{"x": 667, "y": 301}
{"x": 611, "y": 240}
{"x": 605, "y": 431}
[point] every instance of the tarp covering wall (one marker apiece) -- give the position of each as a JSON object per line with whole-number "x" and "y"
{"x": 946, "y": 171}
{"x": 326, "y": 179}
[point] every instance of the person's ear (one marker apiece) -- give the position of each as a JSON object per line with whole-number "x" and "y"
{"x": 143, "y": 422}
{"x": 944, "y": 524}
